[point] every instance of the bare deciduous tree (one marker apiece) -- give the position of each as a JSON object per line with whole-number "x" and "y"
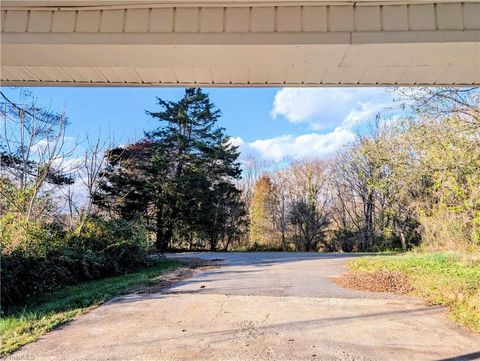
{"x": 34, "y": 154}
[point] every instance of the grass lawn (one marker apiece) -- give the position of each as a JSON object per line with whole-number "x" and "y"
{"x": 448, "y": 279}
{"x": 55, "y": 308}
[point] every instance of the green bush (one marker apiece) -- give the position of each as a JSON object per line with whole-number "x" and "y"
{"x": 31, "y": 237}
{"x": 45, "y": 258}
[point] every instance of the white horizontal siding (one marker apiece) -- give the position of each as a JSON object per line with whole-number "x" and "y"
{"x": 303, "y": 45}
{"x": 332, "y": 18}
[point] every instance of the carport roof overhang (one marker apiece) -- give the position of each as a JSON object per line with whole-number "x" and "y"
{"x": 240, "y": 43}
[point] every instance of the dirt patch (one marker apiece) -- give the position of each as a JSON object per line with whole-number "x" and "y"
{"x": 169, "y": 279}
{"x": 380, "y": 281}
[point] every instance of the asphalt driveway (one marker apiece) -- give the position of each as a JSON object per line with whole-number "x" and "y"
{"x": 260, "y": 306}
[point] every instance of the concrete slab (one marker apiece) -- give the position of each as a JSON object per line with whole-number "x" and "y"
{"x": 260, "y": 306}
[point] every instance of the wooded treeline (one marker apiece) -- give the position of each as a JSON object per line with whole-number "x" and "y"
{"x": 404, "y": 182}
{"x": 73, "y": 210}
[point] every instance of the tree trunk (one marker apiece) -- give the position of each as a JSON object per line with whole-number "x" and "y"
{"x": 190, "y": 241}
{"x": 401, "y": 235}
{"x": 284, "y": 241}
{"x": 213, "y": 243}
{"x": 161, "y": 242}
{"x": 368, "y": 234}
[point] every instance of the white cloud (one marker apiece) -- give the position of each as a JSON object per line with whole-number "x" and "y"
{"x": 340, "y": 109}
{"x": 326, "y": 108}
{"x": 363, "y": 113}
{"x": 311, "y": 145}
{"x": 236, "y": 141}
{"x": 45, "y": 146}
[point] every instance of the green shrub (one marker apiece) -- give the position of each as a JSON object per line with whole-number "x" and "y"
{"x": 48, "y": 258}
{"x": 30, "y": 237}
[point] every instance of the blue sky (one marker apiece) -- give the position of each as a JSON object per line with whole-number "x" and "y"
{"x": 272, "y": 124}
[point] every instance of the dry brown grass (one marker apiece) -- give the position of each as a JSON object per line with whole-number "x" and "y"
{"x": 379, "y": 281}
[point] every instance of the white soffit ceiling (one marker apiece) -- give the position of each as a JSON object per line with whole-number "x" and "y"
{"x": 240, "y": 43}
